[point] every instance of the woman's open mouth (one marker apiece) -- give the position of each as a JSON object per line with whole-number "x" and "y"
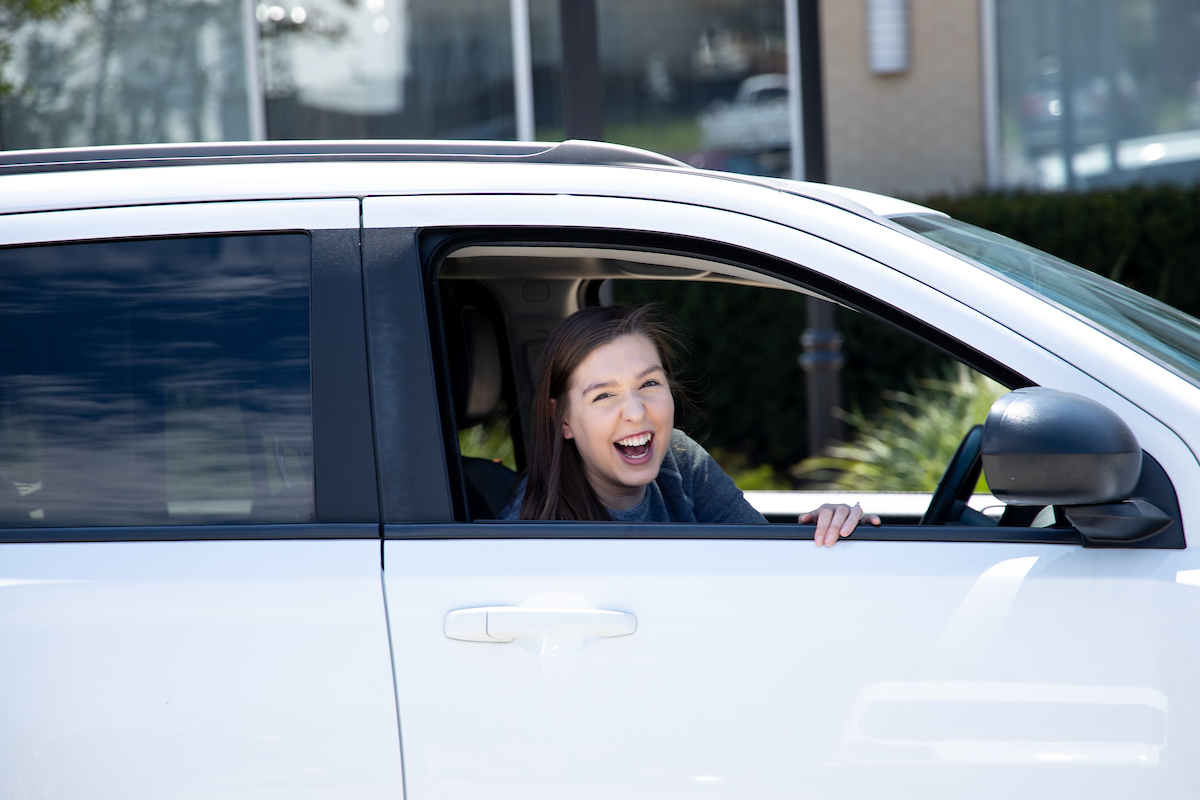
{"x": 636, "y": 448}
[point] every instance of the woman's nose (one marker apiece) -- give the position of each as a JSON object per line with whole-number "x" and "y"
{"x": 634, "y": 409}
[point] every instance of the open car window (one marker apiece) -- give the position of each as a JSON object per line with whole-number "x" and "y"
{"x": 904, "y": 405}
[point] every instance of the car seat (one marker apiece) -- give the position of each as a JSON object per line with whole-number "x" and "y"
{"x": 476, "y": 379}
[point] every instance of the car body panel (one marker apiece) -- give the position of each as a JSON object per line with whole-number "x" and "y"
{"x": 165, "y": 669}
{"x": 770, "y": 669}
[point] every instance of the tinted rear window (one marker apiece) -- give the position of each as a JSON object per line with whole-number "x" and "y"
{"x": 156, "y": 382}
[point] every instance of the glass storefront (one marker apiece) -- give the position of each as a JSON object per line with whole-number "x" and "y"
{"x": 392, "y": 69}
{"x": 1097, "y": 93}
{"x": 702, "y": 80}
{"x": 124, "y": 71}
{"x": 1091, "y": 93}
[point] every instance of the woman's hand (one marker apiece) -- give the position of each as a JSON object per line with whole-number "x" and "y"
{"x": 836, "y": 520}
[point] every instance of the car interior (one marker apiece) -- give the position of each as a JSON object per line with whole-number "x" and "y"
{"x": 498, "y": 302}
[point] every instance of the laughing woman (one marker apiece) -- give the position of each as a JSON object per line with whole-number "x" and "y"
{"x": 605, "y": 447}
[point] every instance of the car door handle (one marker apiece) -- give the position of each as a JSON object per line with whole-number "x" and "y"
{"x": 505, "y": 623}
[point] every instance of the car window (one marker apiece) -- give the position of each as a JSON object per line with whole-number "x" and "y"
{"x": 156, "y": 382}
{"x": 904, "y": 407}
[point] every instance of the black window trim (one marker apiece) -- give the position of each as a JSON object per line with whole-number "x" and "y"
{"x": 525, "y": 529}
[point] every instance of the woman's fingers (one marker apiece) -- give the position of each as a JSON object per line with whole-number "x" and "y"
{"x": 835, "y": 520}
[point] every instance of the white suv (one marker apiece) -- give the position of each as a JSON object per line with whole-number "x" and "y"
{"x": 241, "y": 553}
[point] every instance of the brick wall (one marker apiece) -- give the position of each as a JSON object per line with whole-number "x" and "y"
{"x": 915, "y": 133}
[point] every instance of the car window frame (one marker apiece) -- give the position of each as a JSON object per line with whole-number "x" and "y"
{"x": 345, "y": 484}
{"x": 436, "y": 244}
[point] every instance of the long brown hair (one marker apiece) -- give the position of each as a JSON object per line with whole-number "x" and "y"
{"x": 556, "y": 486}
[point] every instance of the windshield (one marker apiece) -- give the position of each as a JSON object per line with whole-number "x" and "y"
{"x": 1165, "y": 333}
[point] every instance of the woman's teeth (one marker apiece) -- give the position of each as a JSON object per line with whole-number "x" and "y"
{"x": 635, "y": 447}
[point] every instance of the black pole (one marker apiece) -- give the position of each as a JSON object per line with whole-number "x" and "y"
{"x": 582, "y": 90}
{"x": 822, "y": 361}
{"x": 812, "y": 102}
{"x": 822, "y": 358}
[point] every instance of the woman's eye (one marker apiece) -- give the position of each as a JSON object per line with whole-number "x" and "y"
{"x": 652, "y": 382}
{"x": 601, "y": 396}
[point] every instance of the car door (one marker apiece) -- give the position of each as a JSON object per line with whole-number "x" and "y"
{"x": 742, "y": 660}
{"x": 190, "y": 598}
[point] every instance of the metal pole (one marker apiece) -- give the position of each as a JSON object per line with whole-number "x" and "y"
{"x": 991, "y": 93}
{"x": 1066, "y": 92}
{"x": 791, "y": 22}
{"x": 256, "y": 111}
{"x": 522, "y": 69}
{"x": 1112, "y": 58}
{"x": 582, "y": 90}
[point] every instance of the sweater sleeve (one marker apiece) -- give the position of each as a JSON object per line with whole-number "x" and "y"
{"x": 714, "y": 497}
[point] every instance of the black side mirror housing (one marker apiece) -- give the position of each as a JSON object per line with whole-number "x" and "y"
{"x": 1044, "y": 447}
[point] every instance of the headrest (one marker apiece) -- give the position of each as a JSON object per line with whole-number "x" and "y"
{"x": 474, "y": 364}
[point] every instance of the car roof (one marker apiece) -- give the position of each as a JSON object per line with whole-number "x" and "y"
{"x": 14, "y": 162}
{"x": 571, "y": 152}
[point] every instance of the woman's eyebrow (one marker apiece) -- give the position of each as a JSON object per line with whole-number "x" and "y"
{"x": 594, "y": 386}
{"x": 606, "y": 384}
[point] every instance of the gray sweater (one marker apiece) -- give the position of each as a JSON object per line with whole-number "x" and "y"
{"x": 690, "y": 487}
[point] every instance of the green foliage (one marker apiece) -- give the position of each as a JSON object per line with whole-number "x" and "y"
{"x": 1147, "y": 238}
{"x": 907, "y": 445}
{"x": 491, "y": 440}
{"x": 14, "y": 14}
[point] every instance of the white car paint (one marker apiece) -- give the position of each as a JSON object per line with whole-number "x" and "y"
{"x": 771, "y": 669}
{"x": 144, "y": 670}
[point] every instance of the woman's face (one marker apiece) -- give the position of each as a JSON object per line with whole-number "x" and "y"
{"x": 620, "y": 414}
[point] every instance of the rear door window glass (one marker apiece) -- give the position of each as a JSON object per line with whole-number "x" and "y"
{"x": 156, "y": 382}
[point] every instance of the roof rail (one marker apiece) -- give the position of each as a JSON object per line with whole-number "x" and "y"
{"x": 572, "y": 151}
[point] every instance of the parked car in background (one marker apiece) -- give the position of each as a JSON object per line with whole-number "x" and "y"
{"x": 756, "y": 119}
{"x": 241, "y": 551}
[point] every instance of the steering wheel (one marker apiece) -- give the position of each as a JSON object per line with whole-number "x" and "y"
{"x": 959, "y": 480}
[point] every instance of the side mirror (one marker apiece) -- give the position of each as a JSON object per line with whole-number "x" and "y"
{"x": 1044, "y": 447}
